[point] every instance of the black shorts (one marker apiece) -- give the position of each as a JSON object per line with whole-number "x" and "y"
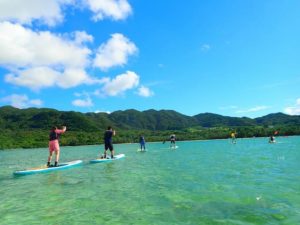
{"x": 172, "y": 141}
{"x": 108, "y": 146}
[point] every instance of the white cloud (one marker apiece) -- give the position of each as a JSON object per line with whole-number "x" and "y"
{"x": 254, "y": 109}
{"x": 115, "y": 9}
{"x": 73, "y": 77}
{"x": 82, "y": 37}
{"x": 102, "y": 111}
{"x": 43, "y": 77}
{"x": 21, "y": 101}
{"x": 27, "y": 11}
{"x": 22, "y": 47}
{"x": 120, "y": 84}
{"x": 145, "y": 91}
{"x": 205, "y": 47}
{"x": 114, "y": 52}
{"x": 293, "y": 110}
{"x": 41, "y": 59}
{"x": 83, "y": 102}
{"x": 50, "y": 12}
{"x": 35, "y": 78}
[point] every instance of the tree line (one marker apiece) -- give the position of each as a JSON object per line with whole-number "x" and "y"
{"x": 29, "y": 128}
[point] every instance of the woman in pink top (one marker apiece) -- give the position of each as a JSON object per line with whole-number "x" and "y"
{"x": 54, "y": 144}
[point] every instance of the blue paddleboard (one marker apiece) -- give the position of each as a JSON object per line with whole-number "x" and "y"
{"x": 43, "y": 169}
{"x": 107, "y": 159}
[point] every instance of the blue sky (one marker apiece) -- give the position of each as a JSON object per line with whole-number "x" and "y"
{"x": 235, "y": 58}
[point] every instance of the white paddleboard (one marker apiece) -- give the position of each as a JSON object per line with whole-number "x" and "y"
{"x": 44, "y": 169}
{"x": 107, "y": 159}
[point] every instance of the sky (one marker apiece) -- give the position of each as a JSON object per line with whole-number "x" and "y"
{"x": 234, "y": 58}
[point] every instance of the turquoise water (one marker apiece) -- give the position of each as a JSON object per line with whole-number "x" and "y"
{"x": 201, "y": 182}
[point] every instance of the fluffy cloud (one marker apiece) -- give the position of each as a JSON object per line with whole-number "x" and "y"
{"x": 82, "y": 37}
{"x": 293, "y": 110}
{"x": 42, "y": 59}
{"x": 83, "y": 102}
{"x": 35, "y": 65}
{"x": 35, "y": 78}
{"x": 114, "y": 52}
{"x": 50, "y": 12}
{"x": 21, "y": 101}
{"x": 74, "y": 77}
{"x": 42, "y": 77}
{"x": 145, "y": 92}
{"x": 21, "y": 47}
{"x": 121, "y": 83}
{"x": 115, "y": 9}
{"x": 24, "y": 12}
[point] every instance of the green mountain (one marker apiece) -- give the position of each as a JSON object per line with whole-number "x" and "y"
{"x": 146, "y": 120}
{"x": 33, "y": 118}
{"x": 215, "y": 120}
{"x": 278, "y": 119}
{"x": 29, "y": 127}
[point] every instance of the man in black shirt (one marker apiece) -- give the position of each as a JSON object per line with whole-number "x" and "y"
{"x": 108, "y": 134}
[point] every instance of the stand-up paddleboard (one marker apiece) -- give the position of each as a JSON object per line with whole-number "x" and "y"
{"x": 139, "y": 150}
{"x": 174, "y": 147}
{"x": 44, "y": 169}
{"x": 107, "y": 159}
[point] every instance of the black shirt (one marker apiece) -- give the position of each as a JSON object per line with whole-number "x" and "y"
{"x": 108, "y": 136}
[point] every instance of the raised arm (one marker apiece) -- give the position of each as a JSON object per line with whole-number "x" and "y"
{"x": 58, "y": 131}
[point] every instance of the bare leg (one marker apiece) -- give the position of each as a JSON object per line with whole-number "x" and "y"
{"x": 50, "y": 156}
{"x": 56, "y": 157}
{"x": 105, "y": 154}
{"x": 112, "y": 153}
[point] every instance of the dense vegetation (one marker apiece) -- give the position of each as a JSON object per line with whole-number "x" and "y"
{"x": 28, "y": 128}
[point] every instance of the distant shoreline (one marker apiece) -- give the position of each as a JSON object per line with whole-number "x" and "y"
{"x": 155, "y": 142}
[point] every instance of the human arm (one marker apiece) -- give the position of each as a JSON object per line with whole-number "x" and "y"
{"x": 63, "y": 130}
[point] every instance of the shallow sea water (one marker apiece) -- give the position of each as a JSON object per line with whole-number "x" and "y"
{"x": 201, "y": 182}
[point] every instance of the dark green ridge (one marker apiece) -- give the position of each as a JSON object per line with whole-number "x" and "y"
{"x": 28, "y": 128}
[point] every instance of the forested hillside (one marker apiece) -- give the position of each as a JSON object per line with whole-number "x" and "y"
{"x": 29, "y": 128}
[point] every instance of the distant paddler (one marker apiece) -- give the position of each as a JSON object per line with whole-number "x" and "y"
{"x": 233, "y": 137}
{"x": 272, "y": 137}
{"x": 108, "y": 143}
{"x": 172, "y": 141}
{"x": 54, "y": 144}
{"x": 142, "y": 143}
